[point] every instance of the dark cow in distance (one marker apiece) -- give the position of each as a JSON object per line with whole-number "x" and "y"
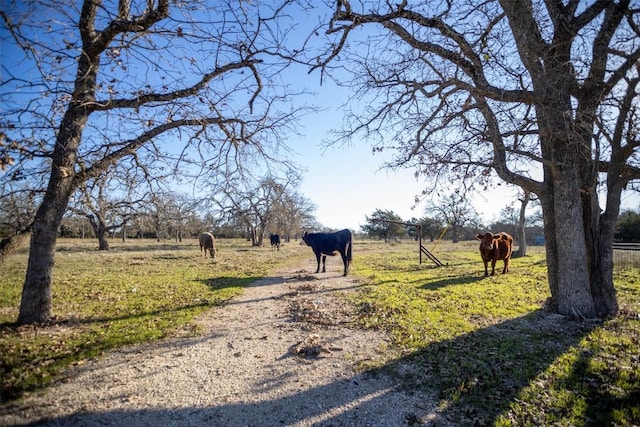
{"x": 275, "y": 241}
{"x": 494, "y": 247}
{"x": 207, "y": 243}
{"x": 324, "y": 244}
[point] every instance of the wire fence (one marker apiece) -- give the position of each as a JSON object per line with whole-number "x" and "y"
{"x": 626, "y": 255}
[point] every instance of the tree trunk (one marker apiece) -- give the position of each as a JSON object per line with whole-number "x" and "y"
{"x": 35, "y": 305}
{"x": 454, "y": 231}
{"x": 103, "y": 241}
{"x": 579, "y": 253}
{"x": 100, "y": 231}
{"x": 522, "y": 235}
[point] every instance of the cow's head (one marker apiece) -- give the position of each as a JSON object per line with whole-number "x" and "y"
{"x": 488, "y": 240}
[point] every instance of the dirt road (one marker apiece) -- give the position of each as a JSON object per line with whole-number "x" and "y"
{"x": 285, "y": 353}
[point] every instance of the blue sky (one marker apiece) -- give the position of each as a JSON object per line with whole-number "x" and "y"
{"x": 346, "y": 183}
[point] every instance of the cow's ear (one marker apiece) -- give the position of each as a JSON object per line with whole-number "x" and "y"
{"x": 505, "y": 237}
{"x": 478, "y": 237}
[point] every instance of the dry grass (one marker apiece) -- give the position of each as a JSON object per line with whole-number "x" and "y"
{"x": 137, "y": 291}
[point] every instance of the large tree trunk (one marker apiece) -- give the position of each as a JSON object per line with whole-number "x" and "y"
{"x": 103, "y": 241}
{"x": 579, "y": 246}
{"x": 101, "y": 232}
{"x": 578, "y": 260}
{"x": 35, "y": 305}
{"x": 573, "y": 294}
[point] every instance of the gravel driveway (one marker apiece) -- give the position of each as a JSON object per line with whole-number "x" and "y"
{"x": 284, "y": 353}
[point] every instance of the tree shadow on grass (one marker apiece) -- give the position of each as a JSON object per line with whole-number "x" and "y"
{"x": 469, "y": 380}
{"x": 451, "y": 280}
{"x": 479, "y": 374}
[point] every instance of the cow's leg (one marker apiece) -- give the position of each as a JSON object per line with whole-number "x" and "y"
{"x": 345, "y": 261}
{"x": 493, "y": 267}
{"x": 318, "y": 259}
{"x": 506, "y": 265}
{"x": 486, "y": 269}
{"x": 324, "y": 263}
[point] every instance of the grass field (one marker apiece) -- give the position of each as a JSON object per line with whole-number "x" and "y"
{"x": 135, "y": 292}
{"x": 489, "y": 351}
{"x": 483, "y": 347}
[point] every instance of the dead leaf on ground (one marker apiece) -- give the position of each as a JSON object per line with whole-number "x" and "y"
{"x": 309, "y": 347}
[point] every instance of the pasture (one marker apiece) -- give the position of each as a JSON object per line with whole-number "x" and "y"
{"x": 486, "y": 347}
{"x": 137, "y": 291}
{"x": 483, "y": 347}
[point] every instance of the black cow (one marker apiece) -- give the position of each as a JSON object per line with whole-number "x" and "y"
{"x": 324, "y": 244}
{"x": 275, "y": 241}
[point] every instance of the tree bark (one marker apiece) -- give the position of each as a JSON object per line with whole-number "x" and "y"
{"x": 35, "y": 305}
{"x": 522, "y": 235}
{"x": 103, "y": 241}
{"x": 101, "y": 231}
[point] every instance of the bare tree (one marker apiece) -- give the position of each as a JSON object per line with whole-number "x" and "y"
{"x": 511, "y": 87}
{"x": 17, "y": 208}
{"x": 18, "y": 204}
{"x": 89, "y": 84}
{"x": 183, "y": 213}
{"x": 255, "y": 205}
{"x": 108, "y": 204}
{"x": 453, "y": 210}
{"x": 290, "y": 212}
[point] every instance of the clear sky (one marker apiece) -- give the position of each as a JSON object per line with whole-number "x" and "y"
{"x": 346, "y": 183}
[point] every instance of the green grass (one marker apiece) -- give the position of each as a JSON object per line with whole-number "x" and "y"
{"x": 487, "y": 349}
{"x": 138, "y": 291}
{"x": 484, "y": 347}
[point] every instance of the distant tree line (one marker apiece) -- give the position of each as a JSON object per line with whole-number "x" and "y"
{"x": 107, "y": 208}
{"x": 388, "y": 226}
{"x": 628, "y": 227}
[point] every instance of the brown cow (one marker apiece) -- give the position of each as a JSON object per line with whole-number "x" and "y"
{"x": 494, "y": 247}
{"x": 208, "y": 243}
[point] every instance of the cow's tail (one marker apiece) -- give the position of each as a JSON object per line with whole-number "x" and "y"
{"x": 349, "y": 257}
